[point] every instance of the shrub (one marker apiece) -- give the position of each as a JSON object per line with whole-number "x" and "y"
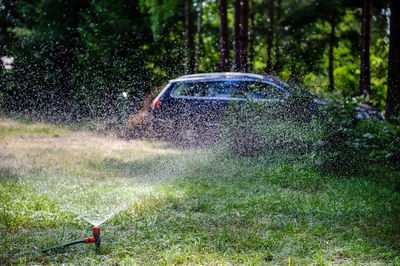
{"x": 335, "y": 149}
{"x": 380, "y": 140}
{"x": 347, "y": 142}
{"x": 254, "y": 128}
{"x": 332, "y": 137}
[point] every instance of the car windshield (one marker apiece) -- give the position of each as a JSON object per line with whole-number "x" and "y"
{"x": 227, "y": 89}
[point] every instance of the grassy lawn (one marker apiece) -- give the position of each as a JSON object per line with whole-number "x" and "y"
{"x": 164, "y": 205}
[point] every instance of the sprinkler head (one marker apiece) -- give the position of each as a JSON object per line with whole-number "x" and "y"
{"x": 96, "y": 235}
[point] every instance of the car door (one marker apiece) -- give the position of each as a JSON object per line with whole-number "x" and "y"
{"x": 203, "y": 102}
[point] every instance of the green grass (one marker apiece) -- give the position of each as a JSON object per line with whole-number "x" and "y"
{"x": 175, "y": 206}
{"x": 26, "y": 127}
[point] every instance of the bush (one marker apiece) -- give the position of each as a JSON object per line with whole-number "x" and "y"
{"x": 348, "y": 142}
{"x": 332, "y": 138}
{"x": 335, "y": 149}
{"x": 380, "y": 140}
{"x": 254, "y": 128}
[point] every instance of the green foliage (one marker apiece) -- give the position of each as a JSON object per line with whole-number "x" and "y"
{"x": 348, "y": 143}
{"x": 255, "y": 128}
{"x": 380, "y": 140}
{"x": 332, "y": 138}
{"x": 111, "y": 60}
{"x": 73, "y": 58}
{"x": 334, "y": 149}
{"x": 160, "y": 13}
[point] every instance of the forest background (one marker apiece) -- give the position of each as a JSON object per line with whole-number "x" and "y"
{"x": 71, "y": 59}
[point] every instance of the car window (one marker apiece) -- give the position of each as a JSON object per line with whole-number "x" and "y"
{"x": 258, "y": 90}
{"x": 189, "y": 89}
{"x": 227, "y": 89}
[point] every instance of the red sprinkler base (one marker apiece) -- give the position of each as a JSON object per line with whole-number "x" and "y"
{"x": 96, "y": 236}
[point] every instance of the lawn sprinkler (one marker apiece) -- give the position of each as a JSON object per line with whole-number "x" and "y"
{"x": 94, "y": 239}
{"x": 96, "y": 235}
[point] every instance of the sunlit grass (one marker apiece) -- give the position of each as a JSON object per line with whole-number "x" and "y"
{"x": 180, "y": 206}
{"x": 24, "y": 127}
{"x": 88, "y": 175}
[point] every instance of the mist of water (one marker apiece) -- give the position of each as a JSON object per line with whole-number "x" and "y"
{"x": 115, "y": 184}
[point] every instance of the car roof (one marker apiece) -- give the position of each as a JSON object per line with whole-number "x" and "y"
{"x": 222, "y": 75}
{"x": 204, "y": 77}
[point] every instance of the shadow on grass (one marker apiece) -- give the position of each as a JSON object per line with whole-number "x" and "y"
{"x": 7, "y": 173}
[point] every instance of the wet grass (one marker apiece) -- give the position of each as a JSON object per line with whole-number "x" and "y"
{"x": 176, "y": 206}
{"x": 25, "y": 127}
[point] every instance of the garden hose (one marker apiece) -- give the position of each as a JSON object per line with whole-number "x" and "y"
{"x": 94, "y": 239}
{"x": 64, "y": 245}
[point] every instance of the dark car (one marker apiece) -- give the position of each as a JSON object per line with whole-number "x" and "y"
{"x": 202, "y": 99}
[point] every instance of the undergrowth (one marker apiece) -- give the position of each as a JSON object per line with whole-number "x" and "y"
{"x": 331, "y": 137}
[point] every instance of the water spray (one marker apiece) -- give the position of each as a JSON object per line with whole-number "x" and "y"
{"x": 94, "y": 239}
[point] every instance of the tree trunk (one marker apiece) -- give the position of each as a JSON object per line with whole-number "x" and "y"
{"x": 236, "y": 38}
{"x": 278, "y": 65}
{"x": 268, "y": 68}
{"x": 393, "y": 90}
{"x": 197, "y": 53}
{"x": 365, "y": 75}
{"x": 251, "y": 36}
{"x": 244, "y": 34}
{"x": 330, "y": 68}
{"x": 223, "y": 36}
{"x": 187, "y": 38}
